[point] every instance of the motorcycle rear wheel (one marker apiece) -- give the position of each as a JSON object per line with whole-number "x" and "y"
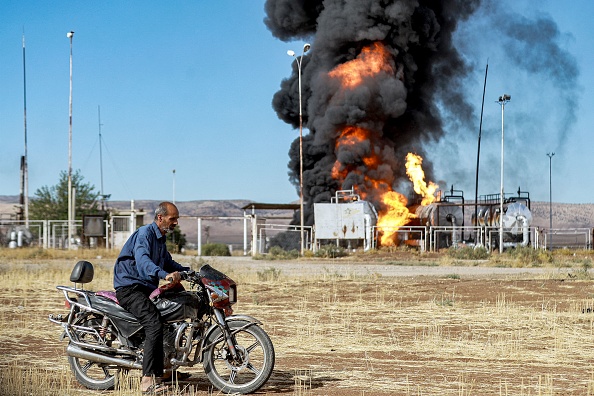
{"x": 251, "y": 370}
{"x": 92, "y": 375}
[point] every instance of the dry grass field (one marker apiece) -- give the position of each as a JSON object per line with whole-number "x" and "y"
{"x": 346, "y": 332}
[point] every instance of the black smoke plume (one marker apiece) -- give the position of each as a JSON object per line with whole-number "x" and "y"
{"x": 404, "y": 110}
{"x": 398, "y": 109}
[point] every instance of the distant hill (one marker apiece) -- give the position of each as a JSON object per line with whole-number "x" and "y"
{"x": 221, "y": 208}
{"x": 223, "y": 231}
{"x": 564, "y": 215}
{"x": 226, "y": 231}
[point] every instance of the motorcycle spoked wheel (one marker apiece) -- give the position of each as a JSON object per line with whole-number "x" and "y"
{"x": 93, "y": 375}
{"x": 255, "y": 360}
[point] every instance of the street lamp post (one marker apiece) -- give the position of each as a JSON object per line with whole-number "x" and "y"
{"x": 550, "y": 155}
{"x": 299, "y": 60}
{"x": 70, "y": 208}
{"x": 503, "y": 99}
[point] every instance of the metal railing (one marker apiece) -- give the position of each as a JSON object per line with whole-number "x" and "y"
{"x": 434, "y": 238}
{"x": 58, "y": 234}
{"x": 53, "y": 234}
{"x": 571, "y": 238}
{"x": 36, "y": 229}
{"x": 278, "y": 228}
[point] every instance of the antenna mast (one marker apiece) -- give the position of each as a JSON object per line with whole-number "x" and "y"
{"x": 25, "y": 162}
{"x": 101, "y": 158}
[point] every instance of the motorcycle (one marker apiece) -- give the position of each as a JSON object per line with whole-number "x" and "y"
{"x": 199, "y": 327}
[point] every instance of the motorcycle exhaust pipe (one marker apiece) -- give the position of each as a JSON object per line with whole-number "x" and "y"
{"x": 75, "y": 351}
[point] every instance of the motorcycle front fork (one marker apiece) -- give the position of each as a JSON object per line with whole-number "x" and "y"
{"x": 229, "y": 338}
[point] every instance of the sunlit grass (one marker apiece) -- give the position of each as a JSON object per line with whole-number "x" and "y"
{"x": 333, "y": 331}
{"x": 7, "y": 254}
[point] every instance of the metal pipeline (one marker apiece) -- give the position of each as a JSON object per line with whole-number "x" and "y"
{"x": 452, "y": 219}
{"x": 525, "y": 234}
{"x": 367, "y": 220}
{"x": 525, "y": 230}
{"x": 74, "y": 351}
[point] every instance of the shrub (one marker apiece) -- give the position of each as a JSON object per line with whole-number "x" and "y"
{"x": 528, "y": 255}
{"x": 269, "y": 274}
{"x": 586, "y": 266}
{"x": 583, "y": 271}
{"x": 468, "y": 253}
{"x": 215, "y": 249}
{"x": 331, "y": 251}
{"x": 278, "y": 253}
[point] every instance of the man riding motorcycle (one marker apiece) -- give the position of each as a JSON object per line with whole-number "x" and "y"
{"x": 143, "y": 261}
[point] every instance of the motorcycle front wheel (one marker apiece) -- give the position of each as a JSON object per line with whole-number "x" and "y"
{"x": 92, "y": 375}
{"x": 254, "y": 363}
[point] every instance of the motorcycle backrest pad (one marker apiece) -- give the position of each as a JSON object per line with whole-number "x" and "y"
{"x": 82, "y": 272}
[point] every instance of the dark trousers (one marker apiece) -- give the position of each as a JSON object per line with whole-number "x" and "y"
{"x": 135, "y": 300}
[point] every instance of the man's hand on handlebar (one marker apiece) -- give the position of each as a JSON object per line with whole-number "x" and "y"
{"x": 173, "y": 277}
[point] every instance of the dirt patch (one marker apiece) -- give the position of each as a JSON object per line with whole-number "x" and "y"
{"x": 347, "y": 328}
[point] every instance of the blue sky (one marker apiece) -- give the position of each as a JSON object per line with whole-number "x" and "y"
{"x": 187, "y": 85}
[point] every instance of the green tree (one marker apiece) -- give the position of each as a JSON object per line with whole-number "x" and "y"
{"x": 51, "y": 203}
{"x": 176, "y": 240}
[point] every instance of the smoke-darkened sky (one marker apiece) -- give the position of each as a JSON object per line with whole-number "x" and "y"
{"x": 190, "y": 87}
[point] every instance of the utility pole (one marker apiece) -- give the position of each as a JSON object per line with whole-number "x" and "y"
{"x": 550, "y": 242}
{"x": 25, "y": 159}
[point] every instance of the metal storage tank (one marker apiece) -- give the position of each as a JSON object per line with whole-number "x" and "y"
{"x": 438, "y": 214}
{"x": 345, "y": 218}
{"x": 516, "y": 218}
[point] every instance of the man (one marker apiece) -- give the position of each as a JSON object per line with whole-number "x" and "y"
{"x": 143, "y": 261}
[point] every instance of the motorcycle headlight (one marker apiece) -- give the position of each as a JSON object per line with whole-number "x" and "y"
{"x": 232, "y": 294}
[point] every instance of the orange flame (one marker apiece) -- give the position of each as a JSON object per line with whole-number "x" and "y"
{"x": 348, "y": 138}
{"x": 417, "y": 176}
{"x": 394, "y": 213}
{"x": 372, "y": 60}
{"x": 393, "y": 217}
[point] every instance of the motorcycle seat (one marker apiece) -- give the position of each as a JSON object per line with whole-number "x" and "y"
{"x": 107, "y": 305}
{"x": 108, "y": 294}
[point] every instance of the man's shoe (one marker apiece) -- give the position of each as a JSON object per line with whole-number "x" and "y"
{"x": 150, "y": 386}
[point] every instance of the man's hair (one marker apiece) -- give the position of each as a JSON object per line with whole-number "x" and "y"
{"x": 162, "y": 209}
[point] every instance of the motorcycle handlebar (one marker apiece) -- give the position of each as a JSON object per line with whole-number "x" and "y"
{"x": 185, "y": 275}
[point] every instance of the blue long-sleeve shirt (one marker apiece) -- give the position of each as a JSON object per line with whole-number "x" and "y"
{"x": 144, "y": 259}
